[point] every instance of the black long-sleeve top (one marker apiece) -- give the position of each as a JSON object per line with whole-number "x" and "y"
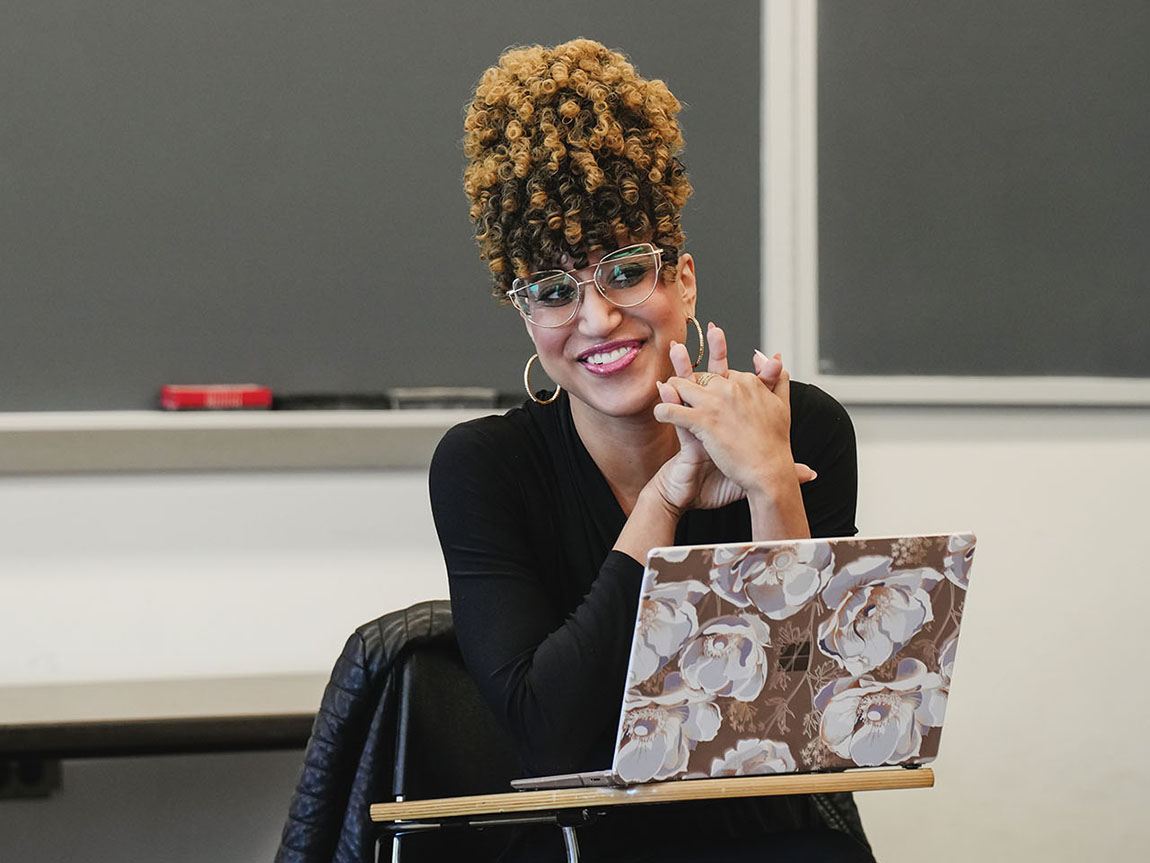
{"x": 544, "y": 609}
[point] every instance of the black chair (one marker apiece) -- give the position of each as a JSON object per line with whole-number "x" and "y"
{"x": 401, "y": 718}
{"x": 447, "y": 745}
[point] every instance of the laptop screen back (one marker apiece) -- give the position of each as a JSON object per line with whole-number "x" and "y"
{"x": 796, "y": 656}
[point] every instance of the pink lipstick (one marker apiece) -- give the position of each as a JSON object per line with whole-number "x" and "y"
{"x": 609, "y": 358}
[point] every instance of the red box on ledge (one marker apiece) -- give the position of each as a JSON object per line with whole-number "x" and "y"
{"x": 179, "y": 397}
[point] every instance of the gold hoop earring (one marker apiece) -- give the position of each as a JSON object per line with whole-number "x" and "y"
{"x": 527, "y": 384}
{"x": 699, "y": 330}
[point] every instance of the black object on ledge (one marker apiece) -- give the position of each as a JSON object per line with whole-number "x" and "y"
{"x": 395, "y": 398}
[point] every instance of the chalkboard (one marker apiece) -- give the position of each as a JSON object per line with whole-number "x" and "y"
{"x": 270, "y": 191}
{"x": 983, "y": 198}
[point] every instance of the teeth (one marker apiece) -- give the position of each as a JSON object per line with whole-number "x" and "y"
{"x": 609, "y": 357}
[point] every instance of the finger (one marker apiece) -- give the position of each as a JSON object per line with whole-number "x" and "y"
{"x": 804, "y": 473}
{"x": 676, "y": 414}
{"x": 716, "y": 350}
{"x": 768, "y": 368}
{"x": 783, "y": 387}
{"x": 680, "y": 359}
{"x": 668, "y": 396}
{"x": 689, "y": 393}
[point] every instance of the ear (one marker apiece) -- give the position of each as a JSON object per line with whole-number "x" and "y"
{"x": 685, "y": 282}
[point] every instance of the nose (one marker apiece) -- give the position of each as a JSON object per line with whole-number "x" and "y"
{"x": 597, "y": 316}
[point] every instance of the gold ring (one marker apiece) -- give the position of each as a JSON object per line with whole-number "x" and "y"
{"x": 705, "y": 379}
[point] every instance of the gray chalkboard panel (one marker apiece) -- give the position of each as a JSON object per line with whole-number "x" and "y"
{"x": 269, "y": 191}
{"x": 984, "y": 206}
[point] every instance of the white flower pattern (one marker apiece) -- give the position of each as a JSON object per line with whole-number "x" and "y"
{"x": 754, "y": 758}
{"x": 715, "y": 685}
{"x": 728, "y": 657}
{"x": 777, "y": 581}
{"x": 874, "y": 611}
{"x": 960, "y": 553}
{"x": 946, "y": 660}
{"x": 872, "y": 723}
{"x": 667, "y": 619}
{"x": 659, "y": 733}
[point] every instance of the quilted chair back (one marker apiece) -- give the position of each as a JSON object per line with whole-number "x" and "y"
{"x": 448, "y": 745}
{"x": 399, "y": 716}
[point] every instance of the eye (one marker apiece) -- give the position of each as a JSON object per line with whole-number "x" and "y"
{"x": 555, "y": 290}
{"x": 626, "y": 273}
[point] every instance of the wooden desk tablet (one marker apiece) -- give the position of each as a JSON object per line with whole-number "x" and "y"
{"x": 569, "y": 807}
{"x": 871, "y": 779}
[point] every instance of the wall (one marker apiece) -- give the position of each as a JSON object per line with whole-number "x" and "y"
{"x": 1035, "y": 763}
{"x": 243, "y": 573}
{"x": 184, "y": 574}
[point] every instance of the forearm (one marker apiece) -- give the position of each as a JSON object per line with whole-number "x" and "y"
{"x": 558, "y": 696}
{"x": 578, "y": 670}
{"x": 776, "y": 505}
{"x": 651, "y": 524}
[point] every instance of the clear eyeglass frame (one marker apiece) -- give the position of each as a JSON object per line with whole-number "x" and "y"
{"x": 571, "y": 289}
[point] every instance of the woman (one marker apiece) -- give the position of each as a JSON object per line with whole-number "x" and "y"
{"x": 546, "y": 513}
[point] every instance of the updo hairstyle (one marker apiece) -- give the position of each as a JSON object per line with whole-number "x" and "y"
{"x": 571, "y": 151}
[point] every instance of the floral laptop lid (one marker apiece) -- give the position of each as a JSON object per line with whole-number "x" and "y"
{"x": 794, "y": 656}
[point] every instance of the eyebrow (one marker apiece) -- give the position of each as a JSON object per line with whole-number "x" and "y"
{"x": 558, "y": 266}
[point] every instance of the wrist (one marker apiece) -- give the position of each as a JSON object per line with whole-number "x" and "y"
{"x": 650, "y": 523}
{"x": 777, "y": 509}
{"x": 772, "y": 481}
{"x": 653, "y": 496}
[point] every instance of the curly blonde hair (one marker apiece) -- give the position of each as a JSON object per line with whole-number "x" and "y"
{"x": 571, "y": 151}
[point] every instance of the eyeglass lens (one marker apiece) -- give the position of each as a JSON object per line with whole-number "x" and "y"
{"x": 626, "y": 277}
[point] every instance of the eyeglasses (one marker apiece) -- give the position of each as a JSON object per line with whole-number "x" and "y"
{"x": 625, "y": 278}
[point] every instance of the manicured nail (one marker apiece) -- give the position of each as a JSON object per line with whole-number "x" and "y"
{"x": 710, "y": 325}
{"x": 760, "y": 355}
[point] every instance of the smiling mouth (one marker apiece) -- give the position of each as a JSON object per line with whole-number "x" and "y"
{"x": 608, "y": 360}
{"x": 603, "y": 359}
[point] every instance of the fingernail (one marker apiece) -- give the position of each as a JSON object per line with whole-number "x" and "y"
{"x": 760, "y": 355}
{"x": 710, "y": 325}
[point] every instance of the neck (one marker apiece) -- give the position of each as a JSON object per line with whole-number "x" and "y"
{"x": 627, "y": 450}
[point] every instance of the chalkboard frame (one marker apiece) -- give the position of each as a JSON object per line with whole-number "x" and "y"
{"x": 791, "y": 252}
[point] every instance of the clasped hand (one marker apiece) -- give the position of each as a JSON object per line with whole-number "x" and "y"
{"x": 734, "y": 430}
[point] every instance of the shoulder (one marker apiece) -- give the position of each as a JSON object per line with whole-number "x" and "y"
{"x": 487, "y": 471}
{"x": 495, "y": 447}
{"x": 823, "y": 438}
{"x": 811, "y": 404}
{"x": 486, "y": 437}
{"x": 818, "y": 419}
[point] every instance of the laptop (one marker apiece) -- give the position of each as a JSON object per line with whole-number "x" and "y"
{"x": 793, "y": 656}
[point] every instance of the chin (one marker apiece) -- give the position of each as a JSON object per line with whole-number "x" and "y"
{"x": 633, "y": 402}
